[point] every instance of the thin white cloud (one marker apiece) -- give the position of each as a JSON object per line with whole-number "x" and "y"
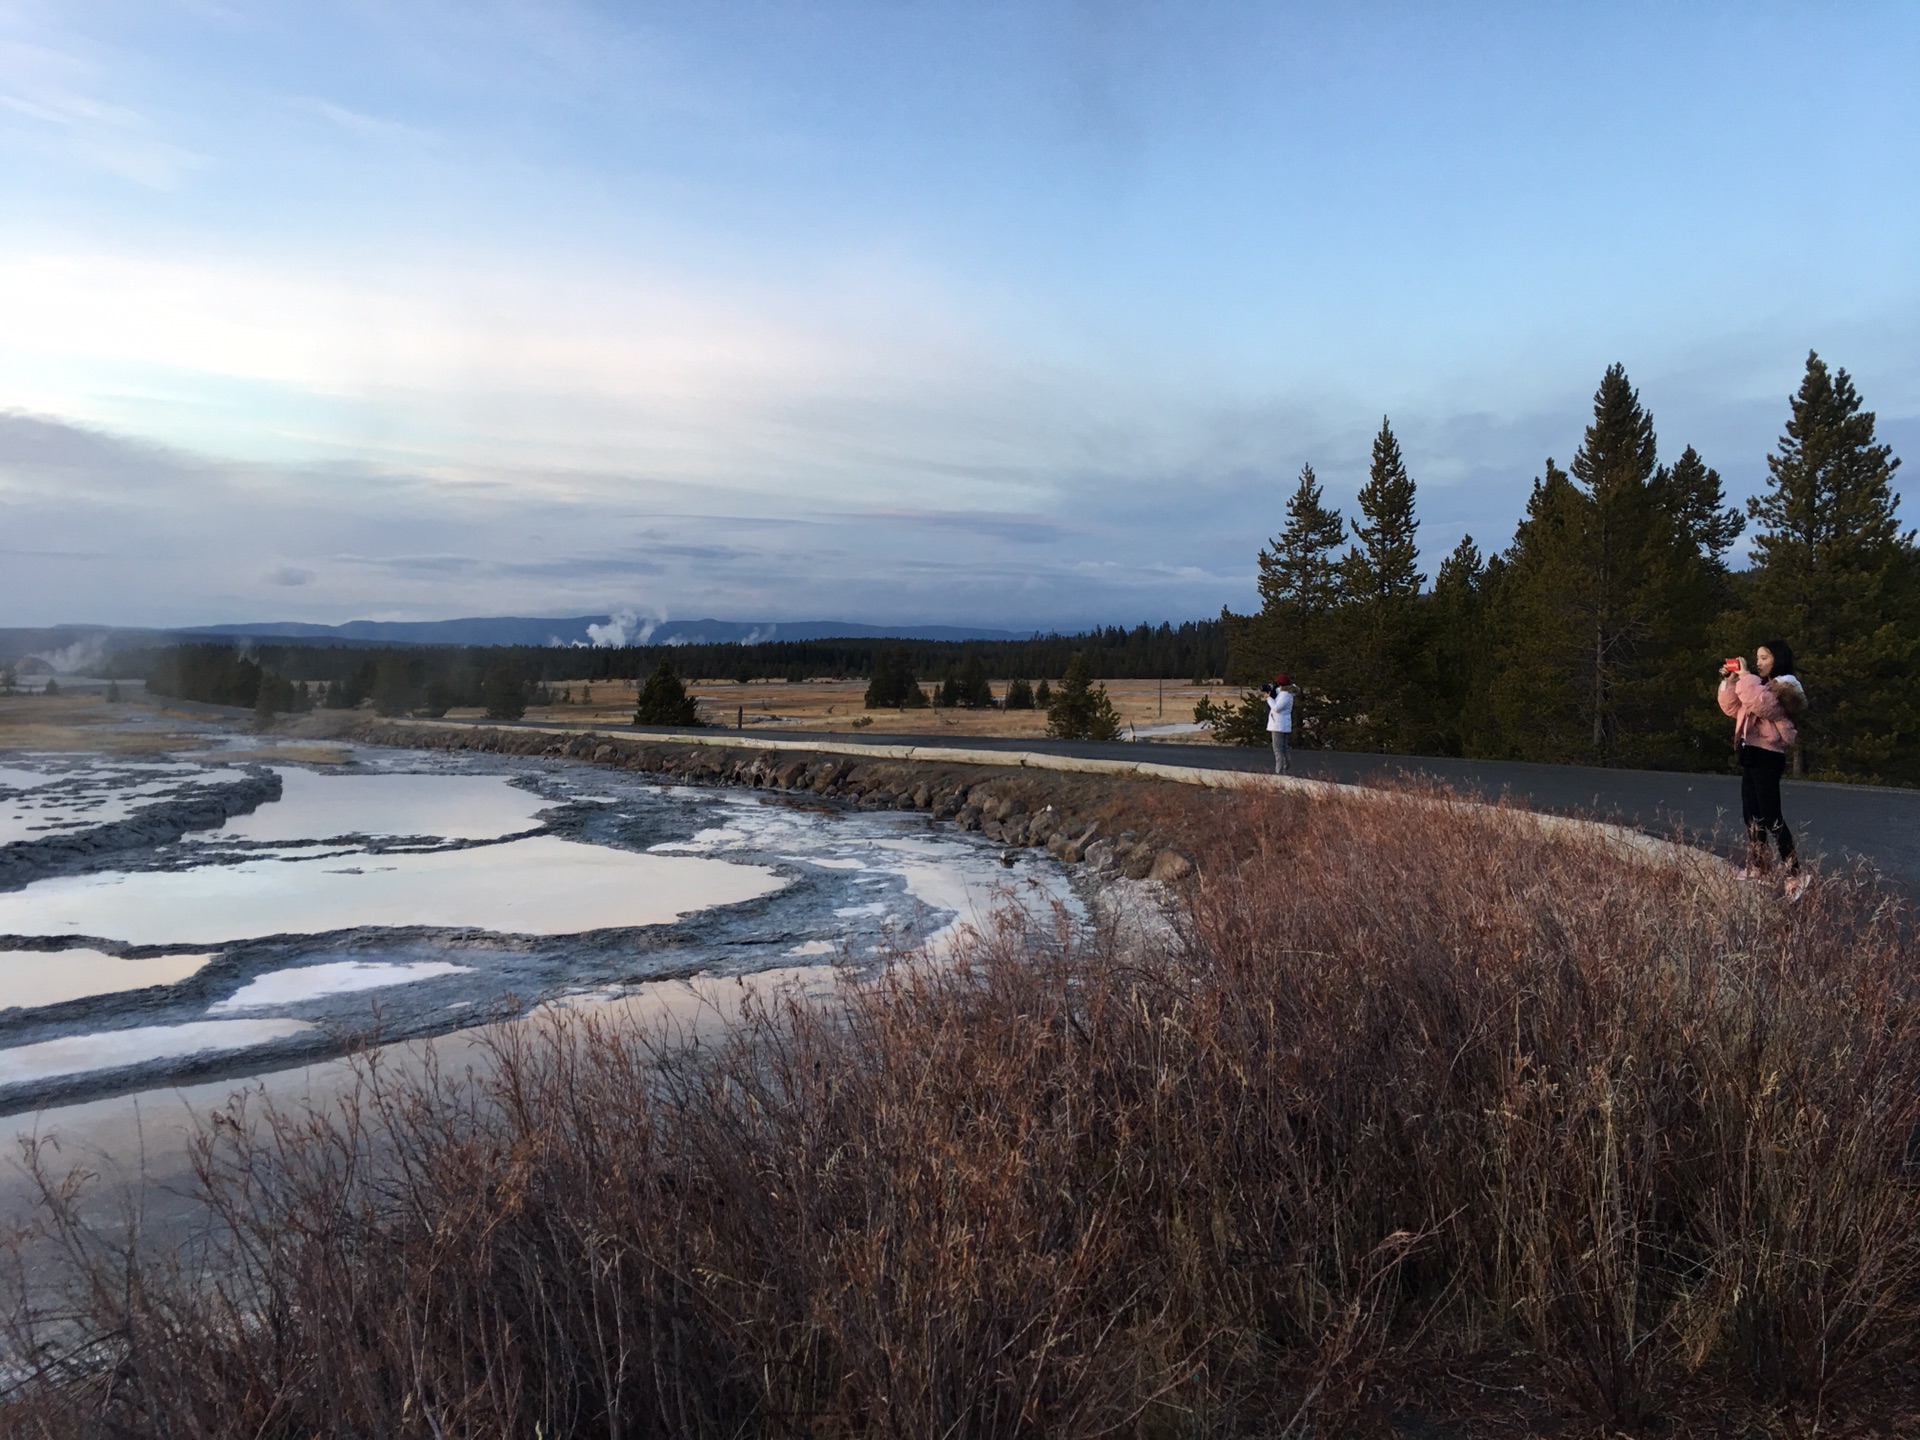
{"x": 48, "y": 100}
{"x": 356, "y": 122}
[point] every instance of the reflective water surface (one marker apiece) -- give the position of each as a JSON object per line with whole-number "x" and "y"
{"x": 403, "y": 894}
{"x": 538, "y": 886}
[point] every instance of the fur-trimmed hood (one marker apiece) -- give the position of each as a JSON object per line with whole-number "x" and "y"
{"x": 1792, "y": 696}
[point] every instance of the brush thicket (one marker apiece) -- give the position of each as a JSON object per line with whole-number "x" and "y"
{"x": 1414, "y": 1083}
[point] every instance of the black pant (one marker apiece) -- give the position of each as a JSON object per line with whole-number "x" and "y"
{"x": 1760, "y": 772}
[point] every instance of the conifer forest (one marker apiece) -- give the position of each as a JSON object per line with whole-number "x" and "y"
{"x": 1596, "y": 635}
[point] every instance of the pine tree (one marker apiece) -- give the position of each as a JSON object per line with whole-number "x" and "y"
{"x": 1691, "y": 494}
{"x": 1834, "y": 576}
{"x": 1455, "y": 622}
{"x": 884, "y": 689}
{"x": 1019, "y": 695}
{"x": 1616, "y": 463}
{"x": 1381, "y": 690}
{"x": 974, "y": 690}
{"x": 1079, "y": 709}
{"x": 504, "y": 693}
{"x": 664, "y": 700}
{"x": 1828, "y": 545}
{"x": 1299, "y": 572}
{"x": 346, "y": 694}
{"x": 275, "y": 697}
{"x": 1385, "y": 567}
{"x": 1538, "y": 641}
{"x": 1605, "y": 602}
{"x": 1043, "y": 695}
{"x": 1301, "y": 586}
{"x": 1695, "y": 590}
{"x": 393, "y": 686}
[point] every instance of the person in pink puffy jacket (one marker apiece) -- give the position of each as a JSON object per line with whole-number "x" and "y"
{"x": 1764, "y": 702}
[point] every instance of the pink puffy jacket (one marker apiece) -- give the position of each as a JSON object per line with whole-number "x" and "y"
{"x": 1758, "y": 718}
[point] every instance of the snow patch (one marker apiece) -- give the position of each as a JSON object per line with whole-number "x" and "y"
{"x": 116, "y": 1049}
{"x": 342, "y": 977}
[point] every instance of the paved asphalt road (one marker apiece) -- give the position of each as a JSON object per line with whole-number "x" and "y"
{"x": 1836, "y": 823}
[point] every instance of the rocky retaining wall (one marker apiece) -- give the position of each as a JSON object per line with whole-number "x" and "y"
{"x": 160, "y": 823}
{"x": 1081, "y": 819}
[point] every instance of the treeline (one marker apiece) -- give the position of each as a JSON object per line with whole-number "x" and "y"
{"x": 1595, "y": 636}
{"x": 275, "y": 679}
{"x": 437, "y": 678}
{"x": 1146, "y": 652}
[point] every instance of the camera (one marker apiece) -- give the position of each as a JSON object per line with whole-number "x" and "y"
{"x": 1730, "y": 666}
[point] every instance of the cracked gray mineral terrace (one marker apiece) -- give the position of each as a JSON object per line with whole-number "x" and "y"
{"x": 403, "y": 894}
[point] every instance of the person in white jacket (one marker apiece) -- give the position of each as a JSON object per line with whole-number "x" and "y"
{"x": 1280, "y": 721}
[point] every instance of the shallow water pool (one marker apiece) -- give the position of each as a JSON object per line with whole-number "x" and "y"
{"x": 402, "y": 894}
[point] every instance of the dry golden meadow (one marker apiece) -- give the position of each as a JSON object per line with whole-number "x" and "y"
{"x": 835, "y": 706}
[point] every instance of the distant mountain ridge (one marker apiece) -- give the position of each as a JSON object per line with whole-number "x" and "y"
{"x": 75, "y": 647}
{"x": 593, "y": 630}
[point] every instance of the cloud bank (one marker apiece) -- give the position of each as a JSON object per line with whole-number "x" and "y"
{"x": 1011, "y": 317}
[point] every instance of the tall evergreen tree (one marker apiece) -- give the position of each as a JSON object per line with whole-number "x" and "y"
{"x": 893, "y": 686}
{"x": 504, "y": 692}
{"x": 973, "y": 689}
{"x": 1690, "y": 492}
{"x": 1381, "y": 662}
{"x": 1455, "y": 622}
{"x": 1385, "y": 567}
{"x": 1299, "y": 571}
{"x": 1301, "y": 584}
{"x": 1606, "y": 601}
{"x": 1833, "y": 575}
{"x": 393, "y": 686}
{"x": 1537, "y": 634}
{"x": 1616, "y": 463}
{"x": 1688, "y": 568}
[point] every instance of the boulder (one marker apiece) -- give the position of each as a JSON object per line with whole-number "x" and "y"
{"x": 1169, "y": 866}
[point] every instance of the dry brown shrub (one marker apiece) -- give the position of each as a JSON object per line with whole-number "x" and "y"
{"x": 1416, "y": 1082}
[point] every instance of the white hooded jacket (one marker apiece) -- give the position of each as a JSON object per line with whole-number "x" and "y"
{"x": 1280, "y": 711}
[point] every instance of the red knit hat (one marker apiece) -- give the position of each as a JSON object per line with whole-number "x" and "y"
{"x": 1283, "y": 678}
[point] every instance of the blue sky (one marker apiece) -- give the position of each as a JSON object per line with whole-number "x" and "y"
{"x": 1021, "y": 315}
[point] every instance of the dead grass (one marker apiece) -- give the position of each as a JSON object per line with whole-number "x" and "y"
{"x": 833, "y": 707}
{"x": 1408, "y": 1104}
{"x": 83, "y": 723}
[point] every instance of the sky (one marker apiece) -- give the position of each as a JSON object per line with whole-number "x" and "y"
{"x": 1019, "y": 315}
